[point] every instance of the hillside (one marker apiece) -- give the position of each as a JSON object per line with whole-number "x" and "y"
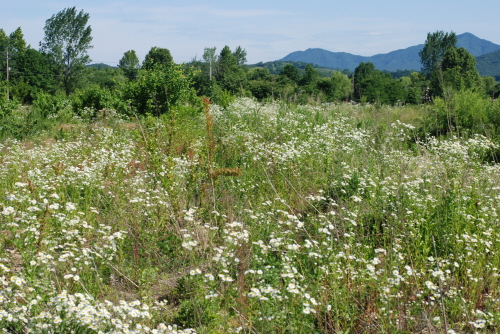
{"x": 399, "y": 59}
{"x": 489, "y": 64}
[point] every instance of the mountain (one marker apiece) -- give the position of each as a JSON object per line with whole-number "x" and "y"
{"x": 400, "y": 59}
{"x": 489, "y": 64}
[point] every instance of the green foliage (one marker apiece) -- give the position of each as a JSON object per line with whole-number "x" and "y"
{"x": 37, "y": 71}
{"x": 229, "y": 75}
{"x": 241, "y": 55}
{"x": 67, "y": 40}
{"x": 372, "y": 85}
{"x": 488, "y": 86}
{"x": 463, "y": 113}
{"x": 310, "y": 77}
{"x": 291, "y": 72}
{"x": 44, "y": 116}
{"x": 459, "y": 70}
{"x": 108, "y": 77}
{"x": 157, "y": 57}
{"x": 50, "y": 105}
{"x": 342, "y": 86}
{"x": 489, "y": 64}
{"x": 158, "y": 90}
{"x": 86, "y": 103}
{"x": 130, "y": 65}
{"x": 7, "y": 106}
{"x": 436, "y": 44}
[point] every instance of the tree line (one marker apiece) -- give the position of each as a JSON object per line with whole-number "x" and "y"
{"x": 60, "y": 68}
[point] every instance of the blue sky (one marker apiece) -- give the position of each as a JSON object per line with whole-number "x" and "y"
{"x": 268, "y": 30}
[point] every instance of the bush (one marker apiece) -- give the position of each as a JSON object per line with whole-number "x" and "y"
{"x": 159, "y": 89}
{"x": 463, "y": 113}
{"x": 88, "y": 102}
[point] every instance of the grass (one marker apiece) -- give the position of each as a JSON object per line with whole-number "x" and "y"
{"x": 255, "y": 218}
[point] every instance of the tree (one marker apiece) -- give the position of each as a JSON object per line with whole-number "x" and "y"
{"x": 129, "y": 63}
{"x": 310, "y": 76}
{"x": 11, "y": 48}
{"x": 362, "y": 72}
{"x": 291, "y": 72}
{"x": 157, "y": 56}
{"x": 342, "y": 86}
{"x": 36, "y": 70}
{"x": 372, "y": 85}
{"x": 240, "y": 55}
{"x": 434, "y": 49}
{"x": 67, "y": 40}
{"x": 488, "y": 84}
{"x": 229, "y": 75}
{"x": 210, "y": 58}
{"x": 459, "y": 70}
{"x": 159, "y": 89}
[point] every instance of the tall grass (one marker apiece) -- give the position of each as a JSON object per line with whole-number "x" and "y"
{"x": 253, "y": 218}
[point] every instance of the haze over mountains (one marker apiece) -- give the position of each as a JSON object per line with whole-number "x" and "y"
{"x": 404, "y": 59}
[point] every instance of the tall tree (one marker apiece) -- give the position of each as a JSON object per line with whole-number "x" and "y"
{"x": 210, "y": 58}
{"x": 229, "y": 75}
{"x": 240, "y": 55}
{"x": 11, "y": 48}
{"x": 129, "y": 63}
{"x": 431, "y": 56}
{"x": 362, "y": 73}
{"x": 67, "y": 40}
{"x": 157, "y": 56}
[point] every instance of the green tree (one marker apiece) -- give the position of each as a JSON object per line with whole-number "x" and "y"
{"x": 488, "y": 84}
{"x": 431, "y": 56}
{"x": 129, "y": 63}
{"x": 157, "y": 90}
{"x": 36, "y": 70}
{"x": 310, "y": 76}
{"x": 14, "y": 43}
{"x": 291, "y": 72}
{"x": 415, "y": 85}
{"x": 240, "y": 55}
{"x": 210, "y": 58}
{"x": 67, "y": 40}
{"x": 229, "y": 75}
{"x": 260, "y": 83}
{"x": 362, "y": 72}
{"x": 372, "y": 85}
{"x": 11, "y": 48}
{"x": 459, "y": 70}
{"x": 157, "y": 56}
{"x": 342, "y": 86}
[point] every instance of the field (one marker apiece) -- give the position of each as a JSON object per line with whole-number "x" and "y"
{"x": 254, "y": 218}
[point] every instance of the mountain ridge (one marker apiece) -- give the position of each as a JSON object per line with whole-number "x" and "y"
{"x": 402, "y": 59}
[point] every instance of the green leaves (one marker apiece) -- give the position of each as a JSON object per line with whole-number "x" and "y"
{"x": 129, "y": 64}
{"x": 157, "y": 56}
{"x": 157, "y": 90}
{"x": 434, "y": 49}
{"x": 67, "y": 39}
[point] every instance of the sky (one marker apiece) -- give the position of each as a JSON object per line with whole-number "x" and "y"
{"x": 267, "y": 30}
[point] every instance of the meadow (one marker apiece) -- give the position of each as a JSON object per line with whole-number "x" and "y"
{"x": 251, "y": 218}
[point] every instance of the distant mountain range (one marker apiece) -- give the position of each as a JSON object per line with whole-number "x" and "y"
{"x": 404, "y": 59}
